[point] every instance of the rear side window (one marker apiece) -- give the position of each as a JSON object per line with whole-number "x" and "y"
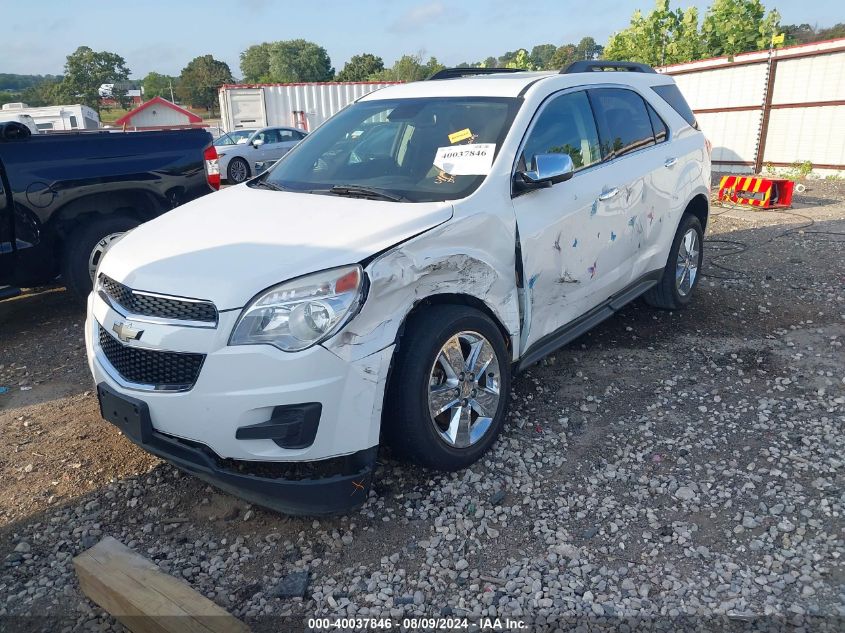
{"x": 624, "y": 124}
{"x": 661, "y": 133}
{"x": 671, "y": 95}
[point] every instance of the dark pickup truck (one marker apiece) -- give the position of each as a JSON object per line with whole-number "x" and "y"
{"x": 65, "y": 197}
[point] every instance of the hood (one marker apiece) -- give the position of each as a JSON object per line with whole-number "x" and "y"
{"x": 227, "y": 246}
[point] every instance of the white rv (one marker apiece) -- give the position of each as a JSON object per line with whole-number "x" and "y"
{"x": 27, "y": 120}
{"x": 57, "y": 118}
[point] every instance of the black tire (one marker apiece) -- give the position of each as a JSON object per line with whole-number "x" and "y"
{"x": 79, "y": 247}
{"x": 408, "y": 426}
{"x": 665, "y": 294}
{"x": 237, "y": 167}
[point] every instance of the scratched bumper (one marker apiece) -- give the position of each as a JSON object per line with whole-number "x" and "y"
{"x": 317, "y": 488}
{"x": 337, "y": 493}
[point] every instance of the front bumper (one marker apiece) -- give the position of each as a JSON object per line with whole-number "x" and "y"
{"x": 242, "y": 386}
{"x": 342, "y": 490}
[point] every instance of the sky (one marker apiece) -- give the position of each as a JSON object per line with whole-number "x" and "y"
{"x": 164, "y": 35}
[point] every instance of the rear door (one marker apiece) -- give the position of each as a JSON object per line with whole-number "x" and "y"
{"x": 635, "y": 161}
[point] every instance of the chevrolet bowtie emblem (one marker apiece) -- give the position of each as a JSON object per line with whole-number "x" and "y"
{"x": 126, "y": 331}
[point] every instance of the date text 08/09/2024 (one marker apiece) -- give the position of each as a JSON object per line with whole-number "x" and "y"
{"x": 417, "y": 624}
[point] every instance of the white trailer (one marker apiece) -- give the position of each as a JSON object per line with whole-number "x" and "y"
{"x": 58, "y": 118}
{"x": 773, "y": 109}
{"x": 302, "y": 105}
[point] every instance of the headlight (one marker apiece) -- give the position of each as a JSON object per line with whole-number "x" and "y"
{"x": 302, "y": 312}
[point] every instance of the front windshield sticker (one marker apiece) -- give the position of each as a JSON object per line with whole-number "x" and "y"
{"x": 461, "y": 135}
{"x": 466, "y": 160}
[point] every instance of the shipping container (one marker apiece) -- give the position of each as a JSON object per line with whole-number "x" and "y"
{"x": 302, "y": 105}
{"x": 773, "y": 108}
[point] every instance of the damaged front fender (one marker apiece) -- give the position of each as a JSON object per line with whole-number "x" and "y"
{"x": 472, "y": 257}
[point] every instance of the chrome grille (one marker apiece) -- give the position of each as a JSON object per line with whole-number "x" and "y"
{"x": 145, "y": 304}
{"x": 170, "y": 371}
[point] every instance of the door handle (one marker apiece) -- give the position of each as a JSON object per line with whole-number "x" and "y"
{"x": 610, "y": 193}
{"x": 670, "y": 162}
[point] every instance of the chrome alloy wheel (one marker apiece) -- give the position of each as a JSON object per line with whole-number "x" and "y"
{"x": 99, "y": 250}
{"x": 238, "y": 171}
{"x": 463, "y": 392}
{"x": 686, "y": 269}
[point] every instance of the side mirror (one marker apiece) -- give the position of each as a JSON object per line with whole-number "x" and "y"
{"x": 258, "y": 143}
{"x": 546, "y": 170}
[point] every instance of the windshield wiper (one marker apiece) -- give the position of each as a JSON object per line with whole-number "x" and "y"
{"x": 265, "y": 184}
{"x": 358, "y": 191}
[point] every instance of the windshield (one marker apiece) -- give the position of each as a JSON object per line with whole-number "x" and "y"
{"x": 233, "y": 138}
{"x": 415, "y": 150}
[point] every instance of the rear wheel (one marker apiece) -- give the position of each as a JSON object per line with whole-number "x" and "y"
{"x": 238, "y": 170}
{"x": 680, "y": 277}
{"x": 449, "y": 390}
{"x": 85, "y": 248}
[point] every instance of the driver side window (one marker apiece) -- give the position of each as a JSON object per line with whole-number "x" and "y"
{"x": 565, "y": 126}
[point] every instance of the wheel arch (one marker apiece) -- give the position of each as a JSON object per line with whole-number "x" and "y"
{"x": 699, "y": 206}
{"x": 455, "y": 298}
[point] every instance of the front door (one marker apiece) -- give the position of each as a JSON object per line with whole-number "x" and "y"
{"x": 572, "y": 235}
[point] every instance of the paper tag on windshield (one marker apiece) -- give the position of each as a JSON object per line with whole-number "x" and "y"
{"x": 460, "y": 135}
{"x": 465, "y": 160}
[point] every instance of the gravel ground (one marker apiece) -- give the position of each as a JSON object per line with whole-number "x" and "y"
{"x": 666, "y": 471}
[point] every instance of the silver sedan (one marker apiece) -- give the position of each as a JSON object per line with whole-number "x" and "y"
{"x": 238, "y": 153}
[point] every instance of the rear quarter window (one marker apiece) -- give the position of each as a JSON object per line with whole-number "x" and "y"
{"x": 672, "y": 95}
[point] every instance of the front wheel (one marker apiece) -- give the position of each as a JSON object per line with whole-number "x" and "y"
{"x": 448, "y": 395}
{"x": 681, "y": 275}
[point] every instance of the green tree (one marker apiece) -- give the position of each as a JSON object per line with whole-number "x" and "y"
{"x": 158, "y": 85}
{"x": 662, "y": 36}
{"x": 255, "y": 63}
{"x": 588, "y": 49}
{"x": 541, "y": 55}
{"x": 86, "y": 70}
{"x": 360, "y": 68}
{"x": 286, "y": 61}
{"x": 490, "y": 62}
{"x": 738, "y": 26}
{"x": 200, "y": 80}
{"x": 521, "y": 59}
{"x": 43, "y": 94}
{"x": 564, "y": 55}
{"x": 409, "y": 68}
{"x": 300, "y": 60}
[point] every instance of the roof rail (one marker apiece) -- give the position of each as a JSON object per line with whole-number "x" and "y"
{"x": 586, "y": 66}
{"x": 453, "y": 73}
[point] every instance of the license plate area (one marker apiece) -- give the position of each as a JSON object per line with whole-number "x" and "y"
{"x": 130, "y": 415}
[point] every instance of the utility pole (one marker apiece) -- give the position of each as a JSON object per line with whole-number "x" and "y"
{"x": 170, "y": 82}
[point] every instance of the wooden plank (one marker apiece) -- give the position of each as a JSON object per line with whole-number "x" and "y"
{"x": 145, "y": 599}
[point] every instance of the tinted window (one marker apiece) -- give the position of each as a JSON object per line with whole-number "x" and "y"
{"x": 623, "y": 120}
{"x": 671, "y": 95}
{"x": 565, "y": 126}
{"x": 73, "y": 122}
{"x": 393, "y": 144}
{"x": 657, "y": 124}
{"x": 268, "y": 136}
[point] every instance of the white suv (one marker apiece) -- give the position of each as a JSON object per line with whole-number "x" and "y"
{"x": 391, "y": 273}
